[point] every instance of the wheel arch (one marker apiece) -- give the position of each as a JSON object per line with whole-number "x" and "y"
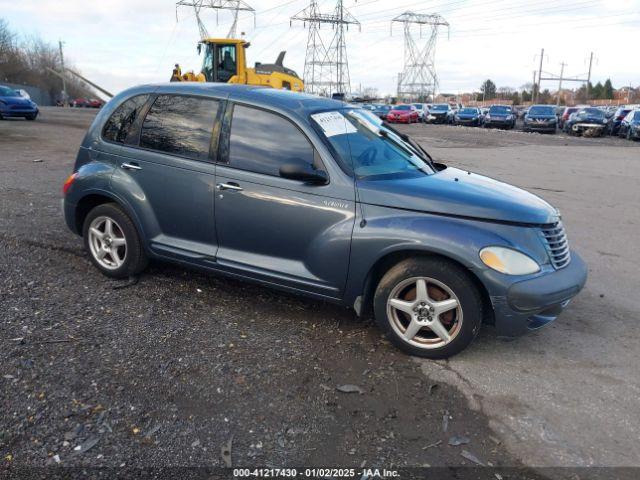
{"x": 95, "y": 198}
{"x": 390, "y": 259}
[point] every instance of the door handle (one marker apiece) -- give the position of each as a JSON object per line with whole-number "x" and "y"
{"x": 131, "y": 166}
{"x": 229, "y": 186}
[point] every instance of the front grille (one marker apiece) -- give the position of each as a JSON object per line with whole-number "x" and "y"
{"x": 557, "y": 245}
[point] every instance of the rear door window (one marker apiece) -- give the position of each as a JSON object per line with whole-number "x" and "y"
{"x": 180, "y": 125}
{"x": 122, "y": 119}
{"x": 262, "y": 142}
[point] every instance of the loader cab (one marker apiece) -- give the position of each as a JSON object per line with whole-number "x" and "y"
{"x": 221, "y": 59}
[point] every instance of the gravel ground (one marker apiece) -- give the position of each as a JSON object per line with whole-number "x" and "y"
{"x": 166, "y": 372}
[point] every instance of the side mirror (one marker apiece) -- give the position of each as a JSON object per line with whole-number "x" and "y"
{"x": 304, "y": 173}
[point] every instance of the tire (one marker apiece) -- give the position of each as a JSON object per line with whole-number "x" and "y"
{"x": 132, "y": 258}
{"x": 444, "y": 280}
{"x": 31, "y": 117}
{"x": 629, "y": 134}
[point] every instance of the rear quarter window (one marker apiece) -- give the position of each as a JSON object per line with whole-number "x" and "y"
{"x": 180, "y": 125}
{"x": 122, "y": 119}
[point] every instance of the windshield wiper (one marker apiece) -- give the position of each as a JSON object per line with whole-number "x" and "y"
{"x": 421, "y": 152}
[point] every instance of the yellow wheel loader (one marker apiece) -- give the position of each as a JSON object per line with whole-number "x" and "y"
{"x": 225, "y": 61}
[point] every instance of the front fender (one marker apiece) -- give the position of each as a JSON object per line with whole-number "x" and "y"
{"x": 389, "y": 231}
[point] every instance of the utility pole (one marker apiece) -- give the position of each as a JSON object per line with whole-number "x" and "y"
{"x": 537, "y": 89}
{"x": 64, "y": 82}
{"x": 562, "y": 65}
{"x": 589, "y": 78}
{"x": 533, "y": 88}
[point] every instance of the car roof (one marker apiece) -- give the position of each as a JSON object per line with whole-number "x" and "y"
{"x": 298, "y": 103}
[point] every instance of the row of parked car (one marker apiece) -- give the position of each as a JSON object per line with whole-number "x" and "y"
{"x": 584, "y": 120}
{"x": 496, "y": 116}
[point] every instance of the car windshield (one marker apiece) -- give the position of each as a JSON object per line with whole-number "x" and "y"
{"x": 469, "y": 111}
{"x": 590, "y": 112}
{"x": 636, "y": 116}
{"x": 8, "y": 92}
{"x": 538, "y": 110}
{"x": 371, "y": 148}
{"x": 500, "y": 110}
{"x": 439, "y": 108}
{"x": 402, "y": 107}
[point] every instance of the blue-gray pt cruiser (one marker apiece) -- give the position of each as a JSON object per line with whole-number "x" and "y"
{"x": 322, "y": 198}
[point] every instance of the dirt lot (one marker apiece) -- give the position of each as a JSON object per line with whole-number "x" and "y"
{"x": 166, "y": 372}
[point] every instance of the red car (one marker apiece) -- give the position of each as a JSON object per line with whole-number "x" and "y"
{"x": 403, "y": 114}
{"x": 95, "y": 103}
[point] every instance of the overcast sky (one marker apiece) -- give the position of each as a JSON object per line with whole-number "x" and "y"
{"x": 120, "y": 43}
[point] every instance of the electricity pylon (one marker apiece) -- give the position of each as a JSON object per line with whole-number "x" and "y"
{"x": 419, "y": 80}
{"x": 235, "y": 5}
{"x": 326, "y": 67}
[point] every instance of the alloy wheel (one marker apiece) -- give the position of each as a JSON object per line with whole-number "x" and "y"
{"x": 107, "y": 242}
{"x": 425, "y": 312}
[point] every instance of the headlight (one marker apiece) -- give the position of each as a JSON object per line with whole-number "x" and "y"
{"x": 604, "y": 121}
{"x": 508, "y": 261}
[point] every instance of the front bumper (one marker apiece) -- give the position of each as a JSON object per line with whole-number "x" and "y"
{"x": 437, "y": 119}
{"x": 13, "y": 111}
{"x": 540, "y": 126}
{"x": 531, "y": 304}
{"x": 466, "y": 121}
{"x": 499, "y": 123}
{"x": 398, "y": 119}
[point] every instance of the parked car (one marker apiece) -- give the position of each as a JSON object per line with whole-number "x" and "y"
{"x": 382, "y": 110}
{"x": 79, "y": 103}
{"x": 588, "y": 121}
{"x": 467, "y": 116}
{"x": 565, "y": 116}
{"x": 95, "y": 103}
{"x": 403, "y": 114}
{"x": 630, "y": 126}
{"x": 540, "y": 118}
{"x": 13, "y": 104}
{"x": 316, "y": 197}
{"x": 617, "y": 118}
{"x": 500, "y": 116}
{"x": 422, "y": 110}
{"x": 440, "y": 113}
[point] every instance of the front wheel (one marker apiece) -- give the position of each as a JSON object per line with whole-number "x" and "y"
{"x": 112, "y": 241}
{"x": 428, "y": 307}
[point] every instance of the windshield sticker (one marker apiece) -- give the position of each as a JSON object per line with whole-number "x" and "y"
{"x": 333, "y": 123}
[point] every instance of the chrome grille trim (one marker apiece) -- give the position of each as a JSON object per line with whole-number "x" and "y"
{"x": 557, "y": 245}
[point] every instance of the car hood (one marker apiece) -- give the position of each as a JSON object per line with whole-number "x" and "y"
{"x": 540, "y": 117}
{"x": 15, "y": 101}
{"x": 459, "y": 193}
{"x": 467, "y": 115}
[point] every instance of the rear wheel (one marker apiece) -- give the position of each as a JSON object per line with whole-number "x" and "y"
{"x": 428, "y": 307}
{"x": 112, "y": 241}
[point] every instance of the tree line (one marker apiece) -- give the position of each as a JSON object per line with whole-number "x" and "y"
{"x": 26, "y": 61}
{"x": 489, "y": 91}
